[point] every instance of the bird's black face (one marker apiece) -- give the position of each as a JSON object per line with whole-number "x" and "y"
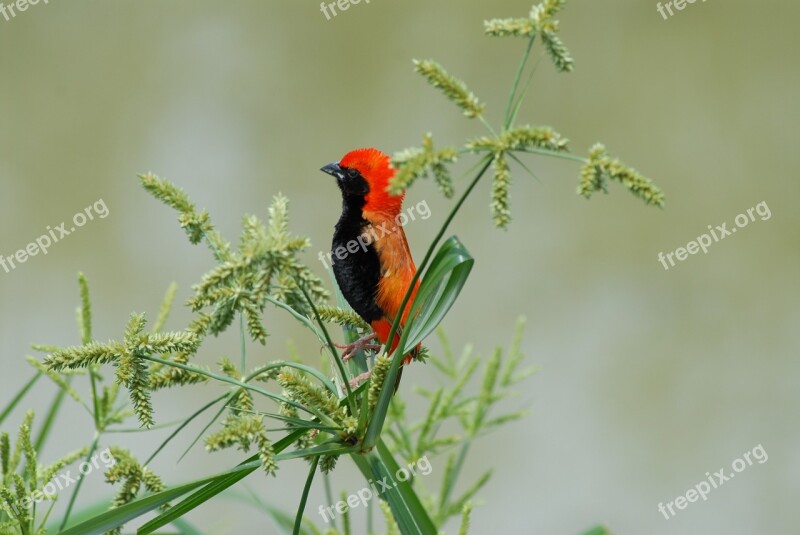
{"x": 348, "y": 179}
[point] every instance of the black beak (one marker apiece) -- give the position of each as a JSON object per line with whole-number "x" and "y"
{"x": 334, "y": 169}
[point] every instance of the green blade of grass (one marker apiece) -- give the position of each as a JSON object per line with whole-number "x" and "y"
{"x": 214, "y": 486}
{"x": 442, "y": 283}
{"x": 183, "y": 425}
{"x": 16, "y": 399}
{"x": 439, "y": 289}
{"x": 298, "y": 522}
{"x": 407, "y": 492}
{"x": 411, "y": 517}
{"x": 52, "y": 411}
{"x": 119, "y": 516}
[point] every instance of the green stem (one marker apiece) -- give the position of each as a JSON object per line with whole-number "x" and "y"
{"x": 78, "y": 484}
{"x": 517, "y": 78}
{"x": 485, "y": 123}
{"x": 449, "y": 485}
{"x": 229, "y": 380}
{"x": 183, "y": 425}
{"x": 298, "y": 521}
{"x": 243, "y": 363}
{"x": 329, "y": 496}
{"x": 52, "y": 412}
{"x": 304, "y": 320}
{"x": 95, "y": 398}
{"x": 555, "y": 154}
{"x": 336, "y": 357}
{"x": 21, "y": 394}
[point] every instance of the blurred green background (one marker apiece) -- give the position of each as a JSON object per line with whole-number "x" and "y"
{"x": 648, "y": 378}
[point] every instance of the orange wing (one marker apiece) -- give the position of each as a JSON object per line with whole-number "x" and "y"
{"x": 397, "y": 270}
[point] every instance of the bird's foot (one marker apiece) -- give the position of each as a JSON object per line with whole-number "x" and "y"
{"x": 358, "y": 379}
{"x": 362, "y": 343}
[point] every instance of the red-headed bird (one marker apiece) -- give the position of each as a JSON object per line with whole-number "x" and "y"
{"x": 375, "y": 278}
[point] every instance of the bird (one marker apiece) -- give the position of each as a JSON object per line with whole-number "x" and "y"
{"x": 370, "y": 256}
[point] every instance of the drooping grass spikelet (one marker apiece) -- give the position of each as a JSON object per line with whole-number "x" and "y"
{"x": 5, "y": 453}
{"x": 542, "y": 137}
{"x": 85, "y": 310}
{"x": 509, "y": 27}
{"x": 601, "y": 168}
{"x": 558, "y": 51}
{"x": 244, "y": 430}
{"x": 138, "y": 384}
{"x": 327, "y": 463}
{"x": 466, "y": 514}
{"x": 501, "y": 183}
{"x": 132, "y": 370}
{"x": 411, "y": 164}
{"x": 377, "y": 378}
{"x": 391, "y": 524}
{"x": 343, "y": 317}
{"x": 197, "y": 225}
{"x": 265, "y": 267}
{"x": 301, "y": 389}
{"x": 83, "y": 356}
{"x": 521, "y": 138}
{"x": 542, "y": 17}
{"x": 134, "y": 478}
{"x": 443, "y": 179}
{"x": 415, "y": 163}
{"x": 169, "y": 376}
{"x": 453, "y": 88}
{"x": 242, "y": 401}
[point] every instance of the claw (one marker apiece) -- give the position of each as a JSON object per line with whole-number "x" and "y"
{"x": 358, "y": 379}
{"x": 362, "y": 343}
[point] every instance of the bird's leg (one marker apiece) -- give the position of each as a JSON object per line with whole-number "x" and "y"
{"x": 362, "y": 343}
{"x": 358, "y": 379}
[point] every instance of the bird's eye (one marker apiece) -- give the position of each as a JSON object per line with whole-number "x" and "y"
{"x": 352, "y": 173}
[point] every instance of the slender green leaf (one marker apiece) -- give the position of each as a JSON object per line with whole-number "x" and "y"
{"x": 214, "y": 486}
{"x": 410, "y": 498}
{"x": 437, "y": 292}
{"x": 443, "y": 281}
{"x": 298, "y": 522}
{"x": 16, "y": 399}
{"x": 119, "y": 516}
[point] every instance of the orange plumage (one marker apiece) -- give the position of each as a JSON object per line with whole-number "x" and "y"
{"x": 375, "y": 278}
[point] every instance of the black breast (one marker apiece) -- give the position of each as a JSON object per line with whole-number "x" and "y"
{"x": 357, "y": 268}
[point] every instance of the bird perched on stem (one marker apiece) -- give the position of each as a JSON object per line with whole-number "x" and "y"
{"x": 370, "y": 256}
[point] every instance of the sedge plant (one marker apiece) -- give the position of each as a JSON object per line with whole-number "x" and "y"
{"x": 290, "y": 409}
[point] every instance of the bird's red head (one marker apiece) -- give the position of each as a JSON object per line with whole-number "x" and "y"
{"x": 366, "y": 173}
